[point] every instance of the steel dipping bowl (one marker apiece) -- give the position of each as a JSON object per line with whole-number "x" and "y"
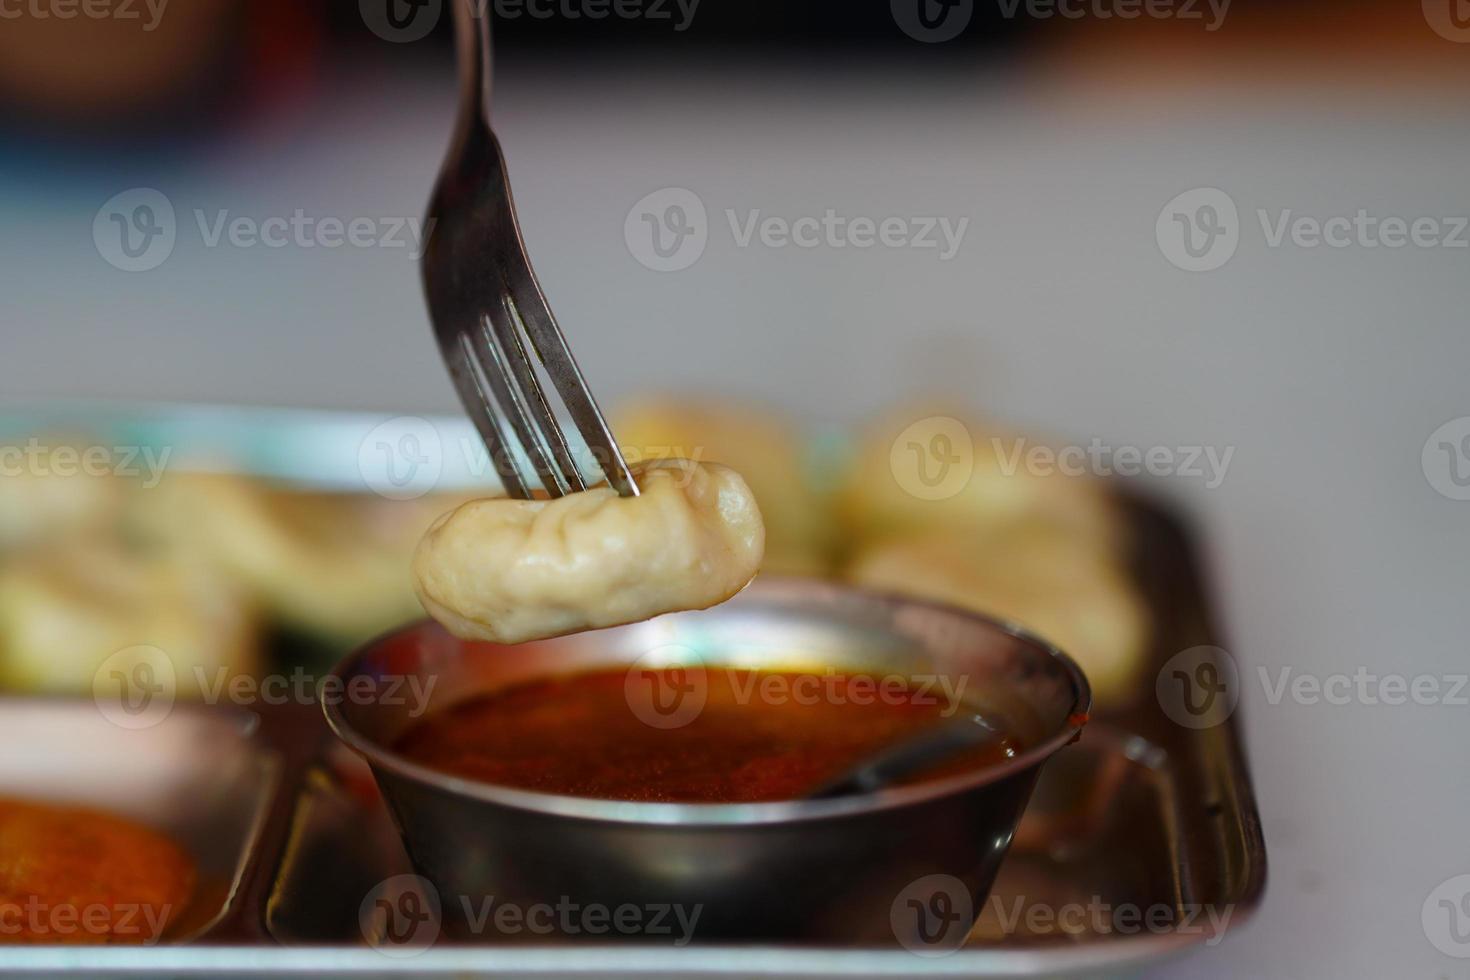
{"x": 844, "y": 870}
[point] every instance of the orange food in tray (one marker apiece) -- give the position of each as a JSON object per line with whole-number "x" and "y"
{"x": 74, "y": 876}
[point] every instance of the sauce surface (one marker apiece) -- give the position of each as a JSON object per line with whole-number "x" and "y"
{"x": 710, "y": 735}
{"x": 70, "y": 875}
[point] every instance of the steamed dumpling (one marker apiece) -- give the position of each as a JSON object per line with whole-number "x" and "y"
{"x": 988, "y": 488}
{"x": 331, "y": 565}
{"x": 65, "y": 610}
{"x": 765, "y": 449}
{"x": 514, "y": 570}
{"x": 1043, "y": 575}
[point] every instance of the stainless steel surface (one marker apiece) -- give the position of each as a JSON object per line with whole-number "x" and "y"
{"x": 197, "y": 775}
{"x": 811, "y": 870}
{"x": 488, "y": 311}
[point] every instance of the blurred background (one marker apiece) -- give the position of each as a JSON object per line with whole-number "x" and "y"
{"x": 1130, "y": 191}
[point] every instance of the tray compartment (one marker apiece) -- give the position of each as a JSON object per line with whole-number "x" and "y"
{"x": 197, "y": 775}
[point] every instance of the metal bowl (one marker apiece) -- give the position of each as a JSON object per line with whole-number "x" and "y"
{"x": 865, "y": 869}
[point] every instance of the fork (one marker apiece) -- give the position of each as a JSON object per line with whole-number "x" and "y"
{"x": 488, "y": 311}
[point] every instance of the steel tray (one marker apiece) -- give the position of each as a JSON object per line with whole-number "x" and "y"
{"x": 1141, "y": 841}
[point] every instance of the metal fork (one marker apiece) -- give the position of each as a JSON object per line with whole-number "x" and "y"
{"x": 488, "y": 311}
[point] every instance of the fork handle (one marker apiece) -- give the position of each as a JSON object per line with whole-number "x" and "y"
{"x": 472, "y": 41}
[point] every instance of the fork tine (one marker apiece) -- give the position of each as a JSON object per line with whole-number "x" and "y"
{"x": 473, "y": 393}
{"x": 494, "y": 362}
{"x": 531, "y": 401}
{"x": 556, "y": 356}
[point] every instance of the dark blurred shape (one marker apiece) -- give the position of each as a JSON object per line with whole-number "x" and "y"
{"x": 149, "y": 65}
{"x": 810, "y": 24}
